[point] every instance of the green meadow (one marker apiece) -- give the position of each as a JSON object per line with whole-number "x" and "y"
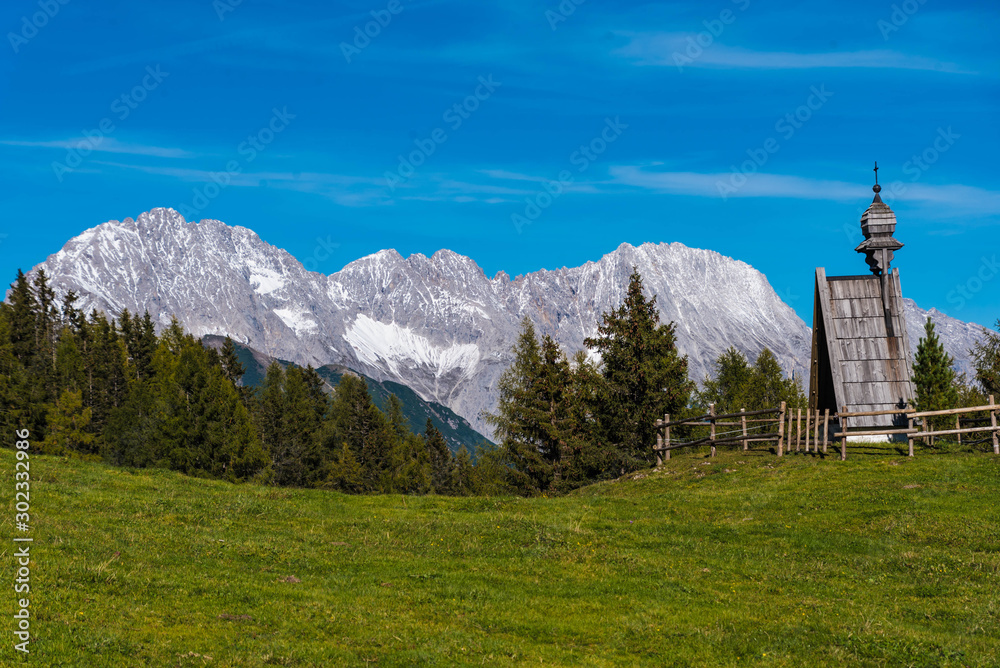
{"x": 744, "y": 559}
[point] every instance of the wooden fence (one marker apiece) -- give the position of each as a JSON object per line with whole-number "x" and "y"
{"x": 786, "y": 428}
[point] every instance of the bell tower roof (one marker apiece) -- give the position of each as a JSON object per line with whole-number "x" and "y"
{"x": 878, "y": 224}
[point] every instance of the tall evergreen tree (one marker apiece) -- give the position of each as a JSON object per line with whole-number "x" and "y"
{"x": 933, "y": 374}
{"x": 645, "y": 375}
{"x": 356, "y": 420}
{"x": 441, "y": 459}
{"x": 231, "y": 365}
{"x": 520, "y": 422}
{"x": 46, "y": 327}
{"x": 23, "y": 319}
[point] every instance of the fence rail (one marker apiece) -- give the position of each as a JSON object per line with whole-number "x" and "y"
{"x": 788, "y": 428}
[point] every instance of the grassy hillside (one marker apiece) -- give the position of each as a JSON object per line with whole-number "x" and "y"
{"x": 745, "y": 559}
{"x": 456, "y": 430}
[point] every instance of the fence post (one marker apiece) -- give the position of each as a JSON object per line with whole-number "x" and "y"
{"x": 666, "y": 420}
{"x": 791, "y": 425}
{"x": 743, "y": 419}
{"x": 826, "y": 428}
{"x": 711, "y": 419}
{"x": 808, "y": 414}
{"x": 798, "y": 430}
{"x": 781, "y": 429}
{"x": 843, "y": 436}
{"x": 909, "y": 425}
{"x": 816, "y": 433}
{"x": 993, "y": 423}
{"x": 659, "y": 443}
{"x": 958, "y": 425}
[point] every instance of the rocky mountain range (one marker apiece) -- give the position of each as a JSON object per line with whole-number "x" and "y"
{"x": 436, "y": 324}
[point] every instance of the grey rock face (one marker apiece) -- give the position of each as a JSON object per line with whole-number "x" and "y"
{"x": 437, "y": 324}
{"x": 958, "y": 337}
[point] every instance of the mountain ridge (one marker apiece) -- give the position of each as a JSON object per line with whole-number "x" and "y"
{"x": 437, "y": 324}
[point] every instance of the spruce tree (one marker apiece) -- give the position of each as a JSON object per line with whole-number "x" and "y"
{"x": 645, "y": 375}
{"x": 356, "y": 420}
{"x": 231, "y": 365}
{"x": 441, "y": 459}
{"x": 23, "y": 319}
{"x": 586, "y": 456}
{"x": 933, "y": 375}
{"x": 463, "y": 476}
{"x": 520, "y": 423}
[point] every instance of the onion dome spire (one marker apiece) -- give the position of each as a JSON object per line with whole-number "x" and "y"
{"x": 878, "y": 224}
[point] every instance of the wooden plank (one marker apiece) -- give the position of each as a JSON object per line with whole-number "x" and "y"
{"x": 894, "y": 411}
{"x": 957, "y": 411}
{"x": 907, "y": 355}
{"x": 951, "y": 432}
{"x": 700, "y": 418}
{"x": 884, "y": 432}
{"x": 835, "y": 359}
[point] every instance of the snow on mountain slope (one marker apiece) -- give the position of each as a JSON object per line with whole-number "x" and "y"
{"x": 437, "y": 324}
{"x": 957, "y": 336}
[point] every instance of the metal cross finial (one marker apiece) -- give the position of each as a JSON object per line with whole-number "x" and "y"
{"x": 877, "y": 188}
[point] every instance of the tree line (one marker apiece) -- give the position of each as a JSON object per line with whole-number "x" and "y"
{"x": 114, "y": 390}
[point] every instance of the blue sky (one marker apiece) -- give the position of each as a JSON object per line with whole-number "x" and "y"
{"x": 744, "y": 126}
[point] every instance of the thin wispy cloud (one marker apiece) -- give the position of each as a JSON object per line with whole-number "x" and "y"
{"x": 104, "y": 145}
{"x": 344, "y": 189}
{"x": 673, "y": 49}
{"x": 959, "y": 198}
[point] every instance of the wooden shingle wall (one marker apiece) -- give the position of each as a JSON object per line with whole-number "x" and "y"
{"x": 863, "y": 344}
